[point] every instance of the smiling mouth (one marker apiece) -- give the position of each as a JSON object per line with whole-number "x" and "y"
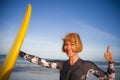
{"x": 67, "y": 51}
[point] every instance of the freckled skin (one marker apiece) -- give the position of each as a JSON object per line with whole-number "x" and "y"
{"x": 75, "y": 68}
{"x": 64, "y": 66}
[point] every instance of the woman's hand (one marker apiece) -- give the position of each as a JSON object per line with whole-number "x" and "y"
{"x": 108, "y": 56}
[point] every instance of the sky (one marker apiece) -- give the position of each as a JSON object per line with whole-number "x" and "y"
{"x": 96, "y": 21}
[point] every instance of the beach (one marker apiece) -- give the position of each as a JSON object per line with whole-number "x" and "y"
{"x": 24, "y": 70}
{"x": 35, "y": 72}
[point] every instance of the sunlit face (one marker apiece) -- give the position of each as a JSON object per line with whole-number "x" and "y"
{"x": 69, "y": 48}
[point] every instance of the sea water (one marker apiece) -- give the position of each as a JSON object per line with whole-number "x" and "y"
{"x": 24, "y": 70}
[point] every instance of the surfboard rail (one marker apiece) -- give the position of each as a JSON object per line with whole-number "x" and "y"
{"x": 11, "y": 58}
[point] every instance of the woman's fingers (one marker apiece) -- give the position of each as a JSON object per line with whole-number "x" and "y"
{"x": 108, "y": 48}
{"x": 108, "y": 55}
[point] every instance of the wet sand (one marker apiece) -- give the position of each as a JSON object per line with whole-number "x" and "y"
{"x": 41, "y": 73}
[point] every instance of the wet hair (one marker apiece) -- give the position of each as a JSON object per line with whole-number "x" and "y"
{"x": 74, "y": 38}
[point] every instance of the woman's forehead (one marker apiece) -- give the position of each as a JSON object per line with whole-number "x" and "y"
{"x": 69, "y": 41}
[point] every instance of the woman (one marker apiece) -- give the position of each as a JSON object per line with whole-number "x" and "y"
{"x": 75, "y": 68}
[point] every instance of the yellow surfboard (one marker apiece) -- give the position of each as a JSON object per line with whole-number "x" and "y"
{"x": 11, "y": 58}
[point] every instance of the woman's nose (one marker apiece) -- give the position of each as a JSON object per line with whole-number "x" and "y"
{"x": 68, "y": 47}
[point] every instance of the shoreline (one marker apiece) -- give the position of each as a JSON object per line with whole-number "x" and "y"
{"x": 35, "y": 72}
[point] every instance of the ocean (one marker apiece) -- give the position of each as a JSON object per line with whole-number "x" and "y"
{"x": 24, "y": 70}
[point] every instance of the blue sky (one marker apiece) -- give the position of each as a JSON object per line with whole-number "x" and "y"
{"x": 97, "y": 22}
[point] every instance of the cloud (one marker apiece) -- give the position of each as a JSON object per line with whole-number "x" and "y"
{"x": 95, "y": 42}
{"x": 93, "y": 35}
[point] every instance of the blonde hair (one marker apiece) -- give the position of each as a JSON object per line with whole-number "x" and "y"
{"x": 75, "y": 38}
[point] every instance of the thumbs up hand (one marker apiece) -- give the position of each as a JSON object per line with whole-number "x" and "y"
{"x": 108, "y": 56}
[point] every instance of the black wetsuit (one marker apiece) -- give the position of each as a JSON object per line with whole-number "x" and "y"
{"x": 78, "y": 71}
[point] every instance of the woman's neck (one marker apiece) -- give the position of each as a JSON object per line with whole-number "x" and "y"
{"x": 73, "y": 59}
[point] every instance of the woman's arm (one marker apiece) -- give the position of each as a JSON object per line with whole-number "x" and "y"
{"x": 102, "y": 75}
{"x": 110, "y": 60}
{"x": 56, "y": 64}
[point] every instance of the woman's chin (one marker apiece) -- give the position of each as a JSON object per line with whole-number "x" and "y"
{"x": 69, "y": 55}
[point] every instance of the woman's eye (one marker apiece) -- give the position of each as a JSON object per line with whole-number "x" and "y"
{"x": 65, "y": 44}
{"x": 72, "y": 44}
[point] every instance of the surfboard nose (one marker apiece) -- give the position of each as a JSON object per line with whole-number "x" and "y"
{"x": 11, "y": 58}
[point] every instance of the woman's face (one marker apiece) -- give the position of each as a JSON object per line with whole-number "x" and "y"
{"x": 70, "y": 48}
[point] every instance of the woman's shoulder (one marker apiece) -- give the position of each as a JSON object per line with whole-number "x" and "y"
{"x": 86, "y": 62}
